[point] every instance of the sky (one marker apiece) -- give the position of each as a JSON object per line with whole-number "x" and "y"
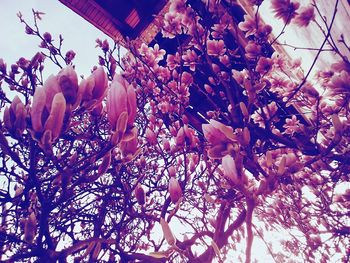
{"x": 78, "y": 34}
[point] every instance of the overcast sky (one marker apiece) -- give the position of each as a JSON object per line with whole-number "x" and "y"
{"x": 78, "y": 34}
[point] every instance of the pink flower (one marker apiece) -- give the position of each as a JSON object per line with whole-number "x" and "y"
{"x": 248, "y": 25}
{"x": 14, "y": 117}
{"x": 284, "y": 9}
{"x": 230, "y": 170}
{"x": 121, "y": 98}
{"x": 340, "y": 83}
{"x": 264, "y": 65}
{"x": 39, "y": 101}
{"x": 93, "y": 89}
{"x": 252, "y": 50}
{"x": 190, "y": 57}
{"x": 130, "y": 146}
{"x": 151, "y": 137}
{"x": 101, "y": 81}
{"x": 54, "y": 122}
{"x": 292, "y": 125}
{"x": 140, "y": 194}
{"x": 216, "y": 47}
{"x": 51, "y": 88}
{"x": 158, "y": 53}
{"x": 216, "y": 133}
{"x": 175, "y": 190}
{"x": 68, "y": 81}
{"x": 173, "y": 60}
{"x": 305, "y": 16}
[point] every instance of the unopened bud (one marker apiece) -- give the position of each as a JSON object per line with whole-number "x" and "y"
{"x": 175, "y": 190}
{"x": 140, "y": 194}
{"x": 106, "y": 161}
{"x": 30, "y": 228}
{"x": 244, "y": 110}
{"x": 54, "y": 122}
{"x": 246, "y": 136}
{"x": 168, "y": 235}
{"x": 282, "y": 166}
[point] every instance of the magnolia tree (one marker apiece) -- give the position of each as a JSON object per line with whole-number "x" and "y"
{"x": 115, "y": 167}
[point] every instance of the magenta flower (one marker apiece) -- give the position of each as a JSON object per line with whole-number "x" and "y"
{"x": 340, "y": 83}
{"x": 51, "y": 87}
{"x": 39, "y": 101}
{"x": 121, "y": 98}
{"x": 54, "y": 122}
{"x": 292, "y": 125}
{"x": 284, "y": 9}
{"x": 264, "y": 65}
{"x": 305, "y": 16}
{"x": 216, "y": 47}
{"x": 68, "y": 81}
{"x": 216, "y": 133}
{"x": 93, "y": 89}
{"x": 248, "y": 25}
{"x": 252, "y": 50}
{"x": 174, "y": 190}
{"x": 230, "y": 170}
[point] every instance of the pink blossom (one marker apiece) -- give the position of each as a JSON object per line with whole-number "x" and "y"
{"x": 172, "y": 25}
{"x": 305, "y": 16}
{"x": 216, "y": 133}
{"x": 151, "y": 137}
{"x": 140, "y": 194}
{"x": 230, "y": 170}
{"x": 340, "y": 83}
{"x": 216, "y": 47}
{"x": 284, "y": 9}
{"x": 249, "y": 25}
{"x": 101, "y": 82}
{"x": 38, "y": 106}
{"x": 218, "y": 30}
{"x": 292, "y": 125}
{"x": 129, "y": 147}
{"x": 252, "y": 50}
{"x": 175, "y": 190}
{"x": 158, "y": 53}
{"x": 54, "y": 122}
{"x": 121, "y": 98}
{"x": 14, "y": 117}
{"x": 173, "y": 60}
{"x": 190, "y": 57}
{"x": 51, "y": 87}
{"x": 68, "y": 81}
{"x": 264, "y": 65}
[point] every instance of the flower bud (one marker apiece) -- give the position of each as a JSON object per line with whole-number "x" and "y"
{"x": 246, "y": 136}
{"x": 54, "y": 122}
{"x": 172, "y": 171}
{"x": 230, "y": 170}
{"x": 106, "y": 161}
{"x": 30, "y": 228}
{"x": 244, "y": 110}
{"x": 168, "y": 235}
{"x": 151, "y": 137}
{"x": 175, "y": 190}
{"x": 140, "y": 194}
{"x": 39, "y": 100}
{"x": 68, "y": 81}
{"x": 282, "y": 166}
{"x": 101, "y": 81}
